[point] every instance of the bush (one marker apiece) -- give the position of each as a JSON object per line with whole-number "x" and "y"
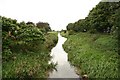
{"x": 93, "y": 31}
{"x": 71, "y": 32}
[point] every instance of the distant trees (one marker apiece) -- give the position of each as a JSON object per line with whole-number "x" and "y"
{"x": 70, "y": 26}
{"x": 30, "y": 23}
{"x": 100, "y": 19}
{"x": 43, "y": 26}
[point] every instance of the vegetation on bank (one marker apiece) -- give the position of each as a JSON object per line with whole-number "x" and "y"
{"x": 92, "y": 43}
{"x": 26, "y": 49}
{"x": 93, "y": 54}
{"x": 64, "y": 33}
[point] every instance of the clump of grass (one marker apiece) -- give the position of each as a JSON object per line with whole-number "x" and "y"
{"x": 94, "y": 54}
{"x": 34, "y": 65}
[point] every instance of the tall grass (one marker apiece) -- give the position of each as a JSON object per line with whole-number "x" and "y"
{"x": 93, "y": 54}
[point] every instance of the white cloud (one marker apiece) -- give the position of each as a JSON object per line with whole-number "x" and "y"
{"x": 58, "y": 13}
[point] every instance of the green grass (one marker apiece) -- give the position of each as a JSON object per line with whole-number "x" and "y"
{"x": 93, "y": 54}
{"x": 64, "y": 34}
{"x": 31, "y": 64}
{"x": 51, "y": 40}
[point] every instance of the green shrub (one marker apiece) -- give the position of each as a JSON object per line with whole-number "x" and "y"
{"x": 93, "y": 31}
{"x": 71, "y": 32}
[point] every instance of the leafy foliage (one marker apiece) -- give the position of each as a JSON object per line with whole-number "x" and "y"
{"x": 30, "y": 35}
{"x": 19, "y": 33}
{"x": 101, "y": 19}
{"x": 24, "y": 49}
{"x": 43, "y": 26}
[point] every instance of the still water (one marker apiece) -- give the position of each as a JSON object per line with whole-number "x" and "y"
{"x": 64, "y": 69}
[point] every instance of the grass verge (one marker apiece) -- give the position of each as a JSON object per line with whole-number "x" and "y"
{"x": 93, "y": 54}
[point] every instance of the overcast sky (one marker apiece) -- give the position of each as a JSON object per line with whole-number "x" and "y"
{"x": 58, "y": 13}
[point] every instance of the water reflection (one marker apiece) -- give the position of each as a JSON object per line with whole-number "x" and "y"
{"x": 64, "y": 69}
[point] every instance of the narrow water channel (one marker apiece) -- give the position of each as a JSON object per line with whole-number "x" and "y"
{"x": 64, "y": 69}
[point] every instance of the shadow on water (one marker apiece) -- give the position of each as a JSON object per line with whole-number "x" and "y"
{"x": 64, "y": 69}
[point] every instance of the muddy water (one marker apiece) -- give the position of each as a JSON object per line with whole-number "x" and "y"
{"x": 64, "y": 69}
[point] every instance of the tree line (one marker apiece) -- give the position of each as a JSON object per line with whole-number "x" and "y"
{"x": 104, "y": 18}
{"x": 26, "y": 36}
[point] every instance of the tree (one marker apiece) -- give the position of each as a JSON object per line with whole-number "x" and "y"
{"x": 70, "y": 26}
{"x": 100, "y": 19}
{"x": 43, "y": 26}
{"x": 30, "y": 23}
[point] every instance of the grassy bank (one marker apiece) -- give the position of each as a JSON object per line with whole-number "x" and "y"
{"x": 31, "y": 64}
{"x": 93, "y": 54}
{"x": 64, "y": 34}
